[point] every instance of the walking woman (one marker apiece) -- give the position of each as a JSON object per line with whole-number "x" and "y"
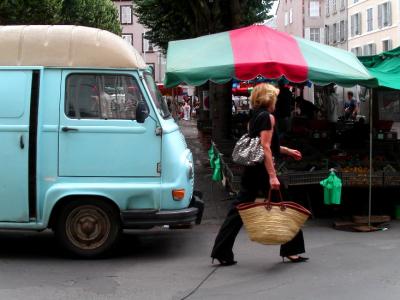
{"x": 259, "y": 178}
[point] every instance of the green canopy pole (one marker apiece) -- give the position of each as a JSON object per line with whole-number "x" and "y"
{"x": 370, "y": 159}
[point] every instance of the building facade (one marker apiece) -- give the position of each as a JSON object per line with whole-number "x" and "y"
{"x": 302, "y": 18}
{"x": 336, "y": 23}
{"x": 134, "y": 33}
{"x": 373, "y": 26}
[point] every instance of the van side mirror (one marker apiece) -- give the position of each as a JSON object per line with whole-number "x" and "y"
{"x": 142, "y": 112}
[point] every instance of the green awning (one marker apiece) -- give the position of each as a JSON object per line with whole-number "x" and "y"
{"x": 385, "y": 67}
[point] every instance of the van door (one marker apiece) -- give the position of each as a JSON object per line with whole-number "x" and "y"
{"x": 15, "y": 99}
{"x": 98, "y": 135}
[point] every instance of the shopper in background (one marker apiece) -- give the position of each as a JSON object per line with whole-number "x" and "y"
{"x": 350, "y": 107}
{"x": 283, "y": 108}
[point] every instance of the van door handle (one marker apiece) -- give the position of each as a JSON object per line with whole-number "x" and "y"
{"x": 66, "y": 129}
{"x": 21, "y": 142}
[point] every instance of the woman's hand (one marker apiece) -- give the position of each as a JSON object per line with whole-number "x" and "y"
{"x": 274, "y": 183}
{"x": 296, "y": 154}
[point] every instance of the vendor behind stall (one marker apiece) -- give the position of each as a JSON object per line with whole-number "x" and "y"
{"x": 305, "y": 108}
{"x": 350, "y": 107}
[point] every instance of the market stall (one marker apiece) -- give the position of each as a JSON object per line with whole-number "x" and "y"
{"x": 248, "y": 52}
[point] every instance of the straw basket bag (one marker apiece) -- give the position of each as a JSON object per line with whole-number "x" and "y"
{"x": 272, "y": 223}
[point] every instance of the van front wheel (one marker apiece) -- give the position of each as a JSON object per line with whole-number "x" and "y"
{"x": 89, "y": 228}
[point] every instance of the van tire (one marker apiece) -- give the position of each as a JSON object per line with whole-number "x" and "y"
{"x": 88, "y": 228}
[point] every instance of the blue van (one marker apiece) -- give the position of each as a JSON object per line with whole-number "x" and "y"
{"x": 87, "y": 144}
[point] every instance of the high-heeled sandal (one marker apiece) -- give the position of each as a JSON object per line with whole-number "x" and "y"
{"x": 295, "y": 260}
{"x": 224, "y": 262}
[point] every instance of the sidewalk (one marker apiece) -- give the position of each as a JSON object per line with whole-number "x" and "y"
{"x": 216, "y": 198}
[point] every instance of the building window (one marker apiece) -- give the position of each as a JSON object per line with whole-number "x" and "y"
{"x": 334, "y": 36}
{"x": 342, "y": 30}
{"x": 102, "y": 96}
{"x": 291, "y": 16}
{"x": 147, "y": 46}
{"x": 342, "y": 5}
{"x": 126, "y": 14}
{"x": 128, "y": 37}
{"x": 327, "y": 7}
{"x": 370, "y": 49}
{"x": 370, "y": 19}
{"x": 315, "y": 34}
{"x": 355, "y": 1}
{"x": 356, "y": 24}
{"x": 334, "y": 6}
{"x": 314, "y": 8}
{"x": 387, "y": 45}
{"x": 326, "y": 34}
{"x": 385, "y": 14}
{"x": 286, "y": 18}
{"x": 356, "y": 51}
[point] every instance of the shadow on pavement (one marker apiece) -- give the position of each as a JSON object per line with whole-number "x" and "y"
{"x": 135, "y": 244}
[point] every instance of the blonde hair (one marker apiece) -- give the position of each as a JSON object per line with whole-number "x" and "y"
{"x": 264, "y": 95}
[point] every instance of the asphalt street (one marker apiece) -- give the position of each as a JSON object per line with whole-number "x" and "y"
{"x": 175, "y": 264}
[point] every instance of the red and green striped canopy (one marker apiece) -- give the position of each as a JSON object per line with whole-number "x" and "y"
{"x": 256, "y": 50}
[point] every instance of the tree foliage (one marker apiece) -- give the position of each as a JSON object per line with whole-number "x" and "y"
{"x": 174, "y": 19}
{"x": 20, "y": 12}
{"x": 93, "y": 13}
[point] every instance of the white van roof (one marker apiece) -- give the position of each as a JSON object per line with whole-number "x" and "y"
{"x": 65, "y": 46}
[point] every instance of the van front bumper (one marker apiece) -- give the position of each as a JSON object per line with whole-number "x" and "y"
{"x": 146, "y": 218}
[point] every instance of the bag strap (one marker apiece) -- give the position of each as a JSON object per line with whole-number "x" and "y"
{"x": 255, "y": 119}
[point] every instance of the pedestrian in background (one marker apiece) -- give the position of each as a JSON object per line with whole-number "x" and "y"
{"x": 283, "y": 108}
{"x": 350, "y": 106}
{"x": 258, "y": 179}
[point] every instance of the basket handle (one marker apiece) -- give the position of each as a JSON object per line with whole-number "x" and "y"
{"x": 268, "y": 204}
{"x": 268, "y": 199}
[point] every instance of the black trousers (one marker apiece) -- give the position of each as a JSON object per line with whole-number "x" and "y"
{"x": 254, "y": 183}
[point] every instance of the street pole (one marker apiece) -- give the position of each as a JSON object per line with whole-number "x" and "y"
{"x": 370, "y": 160}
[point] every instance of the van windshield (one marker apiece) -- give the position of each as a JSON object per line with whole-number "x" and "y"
{"x": 158, "y": 99}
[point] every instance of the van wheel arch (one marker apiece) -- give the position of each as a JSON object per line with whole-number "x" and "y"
{"x": 65, "y": 200}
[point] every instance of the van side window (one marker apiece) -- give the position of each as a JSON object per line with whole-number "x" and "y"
{"x": 101, "y": 96}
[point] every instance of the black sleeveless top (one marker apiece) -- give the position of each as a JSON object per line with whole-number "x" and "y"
{"x": 260, "y": 120}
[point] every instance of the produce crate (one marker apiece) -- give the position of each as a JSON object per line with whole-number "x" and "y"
{"x": 304, "y": 178}
{"x": 359, "y": 180}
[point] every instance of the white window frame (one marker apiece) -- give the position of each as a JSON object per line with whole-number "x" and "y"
{"x": 327, "y": 30}
{"x": 334, "y": 35}
{"x": 291, "y": 16}
{"x": 314, "y": 9}
{"x": 286, "y": 18}
{"x": 355, "y": 21}
{"x": 370, "y": 19}
{"x": 128, "y": 37}
{"x": 390, "y": 44}
{"x": 147, "y": 47}
{"x": 126, "y": 14}
{"x": 357, "y": 51}
{"x": 314, "y": 33}
{"x": 334, "y": 10}
{"x": 327, "y": 7}
{"x": 342, "y": 5}
{"x": 342, "y": 30}
{"x": 385, "y": 16}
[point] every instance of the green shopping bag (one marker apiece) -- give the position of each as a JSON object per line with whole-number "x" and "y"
{"x": 217, "y": 173}
{"x": 211, "y": 156}
{"x": 332, "y": 189}
{"x": 215, "y": 164}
